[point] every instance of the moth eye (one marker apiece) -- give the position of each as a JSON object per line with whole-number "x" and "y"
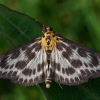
{"x": 53, "y": 35}
{"x": 57, "y": 39}
{"x": 43, "y": 36}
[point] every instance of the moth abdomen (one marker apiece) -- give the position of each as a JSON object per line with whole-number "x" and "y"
{"x": 48, "y": 82}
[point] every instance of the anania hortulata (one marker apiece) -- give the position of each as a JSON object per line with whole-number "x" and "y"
{"x": 48, "y": 57}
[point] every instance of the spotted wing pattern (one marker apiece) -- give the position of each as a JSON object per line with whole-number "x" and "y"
{"x": 74, "y": 64}
{"x": 24, "y": 65}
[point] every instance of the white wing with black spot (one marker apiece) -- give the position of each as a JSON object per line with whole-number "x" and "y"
{"x": 25, "y": 64}
{"x": 74, "y": 64}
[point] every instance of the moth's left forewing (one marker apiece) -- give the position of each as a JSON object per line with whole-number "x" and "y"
{"x": 74, "y": 64}
{"x": 24, "y": 64}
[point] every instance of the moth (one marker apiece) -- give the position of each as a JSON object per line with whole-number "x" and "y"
{"x": 49, "y": 57}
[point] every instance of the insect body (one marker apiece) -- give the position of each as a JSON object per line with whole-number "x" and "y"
{"x": 48, "y": 42}
{"x": 48, "y": 57}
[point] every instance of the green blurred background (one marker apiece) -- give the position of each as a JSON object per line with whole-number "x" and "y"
{"x": 77, "y": 20}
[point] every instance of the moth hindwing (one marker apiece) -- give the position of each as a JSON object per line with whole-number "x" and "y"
{"x": 48, "y": 57}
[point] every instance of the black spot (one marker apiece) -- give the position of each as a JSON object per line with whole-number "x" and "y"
{"x": 15, "y": 54}
{"x": 20, "y": 64}
{"x": 38, "y": 47}
{"x": 3, "y": 65}
{"x": 39, "y": 67}
{"x": 31, "y": 56}
{"x": 76, "y": 63}
{"x": 86, "y": 64}
{"x": 61, "y": 79}
{"x": 6, "y": 67}
{"x": 43, "y": 36}
{"x": 58, "y": 66}
{"x": 4, "y": 74}
{"x": 73, "y": 46}
{"x": 31, "y": 80}
{"x": 76, "y": 79}
{"x": 59, "y": 46}
{"x": 81, "y": 78}
{"x": 21, "y": 80}
{"x": 3, "y": 62}
{"x": 83, "y": 73}
{"x": 72, "y": 81}
{"x": 93, "y": 73}
{"x": 66, "y": 54}
{"x": 27, "y": 71}
{"x": 0, "y": 72}
{"x": 29, "y": 50}
{"x": 67, "y": 80}
{"x": 68, "y": 49}
{"x": 53, "y": 35}
{"x": 94, "y": 60}
{"x": 57, "y": 39}
{"x": 10, "y": 73}
{"x": 88, "y": 72}
{"x": 91, "y": 65}
{"x": 63, "y": 70}
{"x": 25, "y": 81}
{"x": 48, "y": 43}
{"x": 70, "y": 71}
{"x": 11, "y": 66}
{"x": 34, "y": 71}
{"x": 14, "y": 73}
{"x": 17, "y": 78}
{"x": 98, "y": 71}
{"x": 82, "y": 53}
{"x": 36, "y": 79}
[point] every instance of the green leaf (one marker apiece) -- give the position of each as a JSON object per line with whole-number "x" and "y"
{"x": 86, "y": 91}
{"x": 19, "y": 28}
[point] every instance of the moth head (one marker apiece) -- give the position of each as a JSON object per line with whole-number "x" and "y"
{"x": 49, "y": 38}
{"x": 48, "y": 34}
{"x": 46, "y": 28}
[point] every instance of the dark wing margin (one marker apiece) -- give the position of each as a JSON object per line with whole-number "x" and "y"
{"x": 74, "y": 64}
{"x": 24, "y": 64}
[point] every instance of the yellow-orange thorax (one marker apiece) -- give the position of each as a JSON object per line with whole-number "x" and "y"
{"x": 49, "y": 39}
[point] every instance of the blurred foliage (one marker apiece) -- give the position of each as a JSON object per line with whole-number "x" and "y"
{"x": 78, "y": 20}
